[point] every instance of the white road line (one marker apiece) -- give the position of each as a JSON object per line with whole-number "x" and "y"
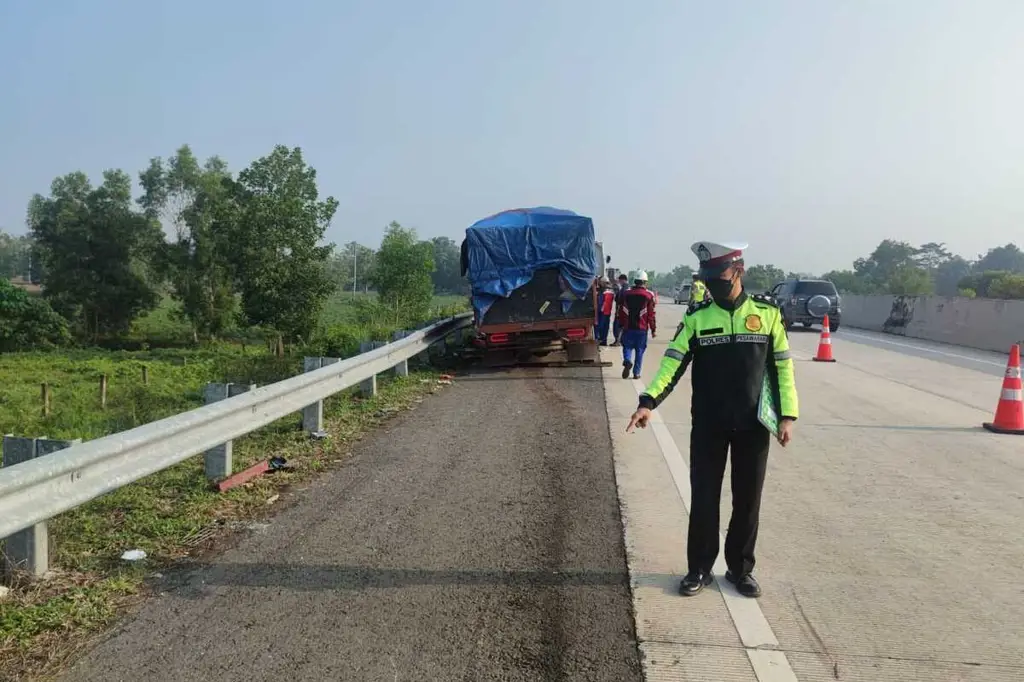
{"x": 920, "y": 348}
{"x": 759, "y": 641}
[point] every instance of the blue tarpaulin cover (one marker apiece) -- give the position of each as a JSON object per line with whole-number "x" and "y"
{"x": 505, "y": 249}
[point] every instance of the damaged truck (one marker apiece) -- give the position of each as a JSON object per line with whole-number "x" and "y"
{"x": 533, "y": 275}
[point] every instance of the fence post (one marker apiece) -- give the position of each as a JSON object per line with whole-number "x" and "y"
{"x": 217, "y": 460}
{"x": 402, "y": 368}
{"x": 29, "y": 549}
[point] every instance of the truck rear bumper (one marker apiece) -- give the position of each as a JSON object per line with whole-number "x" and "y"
{"x": 545, "y": 336}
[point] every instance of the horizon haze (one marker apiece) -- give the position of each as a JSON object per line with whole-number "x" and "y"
{"x": 810, "y": 130}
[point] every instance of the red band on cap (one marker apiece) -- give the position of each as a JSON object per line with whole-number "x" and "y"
{"x": 722, "y": 259}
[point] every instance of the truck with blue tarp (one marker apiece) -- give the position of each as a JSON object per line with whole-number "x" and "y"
{"x": 533, "y": 275}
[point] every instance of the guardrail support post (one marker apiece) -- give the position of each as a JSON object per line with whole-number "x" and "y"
{"x": 369, "y": 386}
{"x": 217, "y": 460}
{"x": 402, "y": 368}
{"x": 29, "y": 549}
{"x": 313, "y": 415}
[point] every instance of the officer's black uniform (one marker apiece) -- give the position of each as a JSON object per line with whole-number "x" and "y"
{"x": 731, "y": 346}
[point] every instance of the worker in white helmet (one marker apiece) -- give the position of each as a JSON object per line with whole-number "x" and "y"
{"x": 636, "y": 317}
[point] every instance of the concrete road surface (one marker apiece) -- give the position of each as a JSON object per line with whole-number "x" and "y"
{"x": 475, "y": 539}
{"x": 892, "y": 531}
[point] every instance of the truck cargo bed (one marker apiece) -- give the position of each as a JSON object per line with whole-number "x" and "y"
{"x": 539, "y": 301}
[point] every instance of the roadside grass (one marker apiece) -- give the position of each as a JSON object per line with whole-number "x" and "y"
{"x": 175, "y": 514}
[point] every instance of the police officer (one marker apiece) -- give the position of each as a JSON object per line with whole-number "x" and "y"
{"x": 698, "y": 292}
{"x": 732, "y": 339}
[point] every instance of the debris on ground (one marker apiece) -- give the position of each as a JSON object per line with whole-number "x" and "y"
{"x": 133, "y": 555}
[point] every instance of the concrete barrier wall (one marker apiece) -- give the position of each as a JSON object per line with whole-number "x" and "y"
{"x": 982, "y": 323}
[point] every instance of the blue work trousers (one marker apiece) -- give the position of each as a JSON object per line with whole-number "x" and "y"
{"x": 601, "y": 332}
{"x": 634, "y": 340}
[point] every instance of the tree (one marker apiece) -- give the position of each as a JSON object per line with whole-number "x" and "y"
{"x": 948, "y": 275}
{"x": 994, "y": 284}
{"x": 1008, "y": 286}
{"x": 352, "y": 268}
{"x": 848, "y": 282}
{"x": 28, "y": 321}
{"x": 403, "y": 273}
{"x": 932, "y": 255}
{"x": 447, "y": 275}
{"x": 910, "y": 280}
{"x": 760, "y": 278}
{"x": 1008, "y": 258}
{"x": 14, "y": 256}
{"x": 889, "y": 256}
{"x": 670, "y": 281}
{"x": 275, "y": 224}
{"x": 192, "y": 199}
{"x": 96, "y": 250}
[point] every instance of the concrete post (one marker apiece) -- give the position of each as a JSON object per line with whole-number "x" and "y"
{"x": 402, "y": 368}
{"x": 29, "y": 549}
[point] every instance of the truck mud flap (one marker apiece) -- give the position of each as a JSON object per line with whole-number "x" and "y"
{"x": 584, "y": 352}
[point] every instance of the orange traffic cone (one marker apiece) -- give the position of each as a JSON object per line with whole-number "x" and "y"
{"x": 1010, "y": 410}
{"x": 824, "y": 345}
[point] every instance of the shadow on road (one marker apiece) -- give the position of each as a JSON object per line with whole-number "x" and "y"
{"x": 319, "y": 577}
{"x": 529, "y": 374}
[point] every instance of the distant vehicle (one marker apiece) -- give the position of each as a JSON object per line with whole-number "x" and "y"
{"x": 682, "y": 296}
{"x": 807, "y": 301}
{"x": 533, "y": 274}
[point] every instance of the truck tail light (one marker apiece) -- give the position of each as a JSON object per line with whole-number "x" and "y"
{"x": 576, "y": 333}
{"x": 498, "y": 338}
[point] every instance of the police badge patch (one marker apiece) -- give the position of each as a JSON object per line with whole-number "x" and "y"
{"x": 703, "y": 253}
{"x": 753, "y": 323}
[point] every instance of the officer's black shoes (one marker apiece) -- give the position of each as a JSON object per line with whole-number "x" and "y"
{"x": 694, "y": 582}
{"x": 746, "y": 585}
{"x": 627, "y": 366}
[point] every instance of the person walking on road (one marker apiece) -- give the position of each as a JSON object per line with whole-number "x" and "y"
{"x": 620, "y": 289}
{"x": 732, "y": 339}
{"x": 636, "y": 317}
{"x": 698, "y": 292}
{"x": 605, "y": 309}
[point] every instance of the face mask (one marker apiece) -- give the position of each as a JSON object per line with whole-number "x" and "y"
{"x": 720, "y": 289}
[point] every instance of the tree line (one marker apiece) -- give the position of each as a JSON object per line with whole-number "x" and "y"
{"x": 898, "y": 268}
{"x": 232, "y": 250}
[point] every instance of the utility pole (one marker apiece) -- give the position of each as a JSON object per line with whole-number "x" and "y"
{"x": 355, "y": 268}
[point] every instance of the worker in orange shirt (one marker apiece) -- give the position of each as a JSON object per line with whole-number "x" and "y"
{"x": 605, "y": 308}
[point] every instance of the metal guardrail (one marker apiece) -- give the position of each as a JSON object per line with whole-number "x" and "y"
{"x": 35, "y": 491}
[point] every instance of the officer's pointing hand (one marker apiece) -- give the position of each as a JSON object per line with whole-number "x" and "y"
{"x": 639, "y": 418}
{"x": 785, "y": 431}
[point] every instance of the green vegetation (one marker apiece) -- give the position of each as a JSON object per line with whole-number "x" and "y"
{"x": 208, "y": 276}
{"x": 168, "y": 515}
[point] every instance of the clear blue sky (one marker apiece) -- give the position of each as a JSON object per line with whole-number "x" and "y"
{"x": 809, "y": 128}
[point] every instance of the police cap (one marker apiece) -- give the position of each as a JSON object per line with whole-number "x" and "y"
{"x": 715, "y": 257}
